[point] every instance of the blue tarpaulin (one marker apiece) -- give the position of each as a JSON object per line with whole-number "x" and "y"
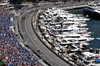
{"x": 97, "y": 60}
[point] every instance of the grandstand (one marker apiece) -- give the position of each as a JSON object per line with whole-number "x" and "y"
{"x": 11, "y": 50}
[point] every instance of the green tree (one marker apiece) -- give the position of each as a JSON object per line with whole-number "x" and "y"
{"x": 1, "y": 63}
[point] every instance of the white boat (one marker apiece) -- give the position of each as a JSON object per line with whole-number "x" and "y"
{"x": 71, "y": 34}
{"x": 73, "y": 38}
{"x": 67, "y": 16}
{"x": 66, "y": 29}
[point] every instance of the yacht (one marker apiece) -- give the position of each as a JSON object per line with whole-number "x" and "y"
{"x": 92, "y": 10}
{"x": 67, "y": 16}
{"x": 67, "y": 32}
{"x": 73, "y": 38}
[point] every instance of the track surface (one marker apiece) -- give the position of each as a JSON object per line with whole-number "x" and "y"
{"x": 33, "y": 42}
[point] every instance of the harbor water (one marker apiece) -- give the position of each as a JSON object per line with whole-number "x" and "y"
{"x": 94, "y": 28}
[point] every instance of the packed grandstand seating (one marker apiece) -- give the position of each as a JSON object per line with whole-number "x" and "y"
{"x": 12, "y": 53}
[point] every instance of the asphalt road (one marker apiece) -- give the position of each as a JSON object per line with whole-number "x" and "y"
{"x": 33, "y": 42}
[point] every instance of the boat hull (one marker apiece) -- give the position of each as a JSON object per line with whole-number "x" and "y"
{"x": 91, "y": 13}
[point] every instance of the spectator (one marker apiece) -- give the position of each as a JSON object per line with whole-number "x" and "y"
{"x": 11, "y": 50}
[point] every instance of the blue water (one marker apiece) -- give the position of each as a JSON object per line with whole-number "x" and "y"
{"x": 94, "y": 27}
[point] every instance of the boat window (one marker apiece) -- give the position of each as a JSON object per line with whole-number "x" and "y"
{"x": 55, "y": 15}
{"x": 86, "y": 46}
{"x": 65, "y": 18}
{"x": 74, "y": 36}
{"x": 90, "y": 8}
{"x": 64, "y": 41}
{"x": 72, "y": 40}
{"x": 48, "y": 20}
{"x": 46, "y": 23}
{"x": 71, "y": 17}
{"x": 47, "y": 13}
{"x": 58, "y": 41}
{"x": 60, "y": 18}
{"x": 98, "y": 4}
{"x": 83, "y": 40}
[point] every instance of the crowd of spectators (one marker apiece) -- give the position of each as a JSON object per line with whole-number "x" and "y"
{"x": 11, "y": 51}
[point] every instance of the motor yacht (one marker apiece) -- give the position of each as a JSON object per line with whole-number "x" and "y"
{"x": 68, "y": 33}
{"x": 92, "y": 10}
